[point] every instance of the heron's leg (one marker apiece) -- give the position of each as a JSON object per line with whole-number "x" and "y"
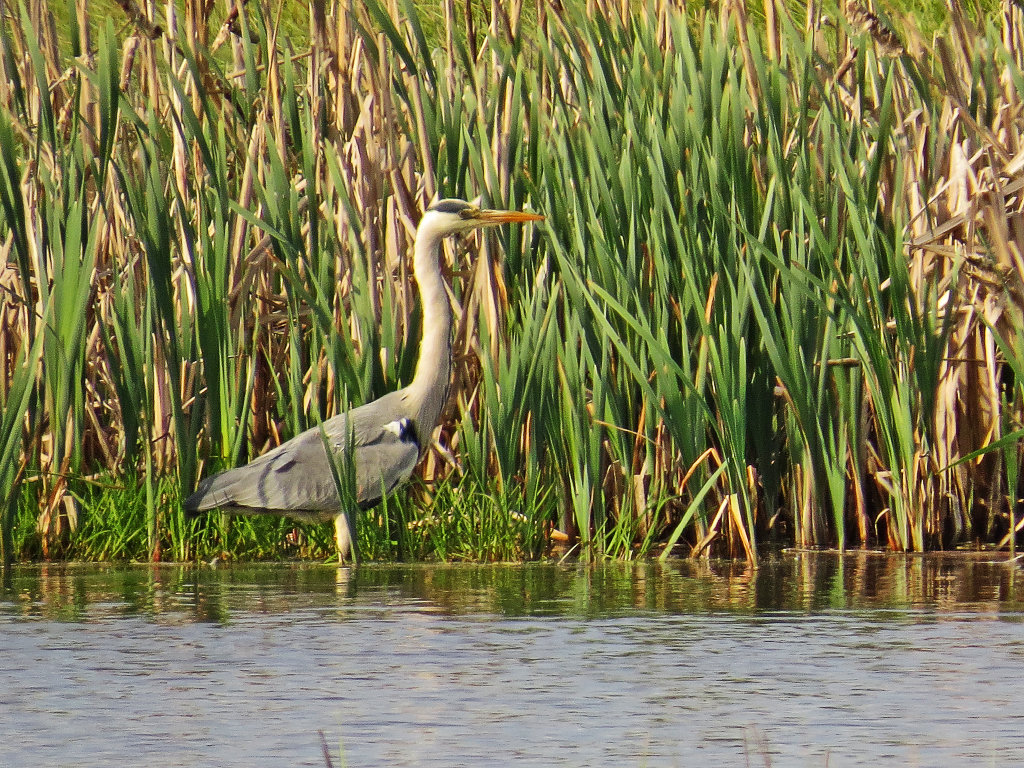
{"x": 344, "y": 538}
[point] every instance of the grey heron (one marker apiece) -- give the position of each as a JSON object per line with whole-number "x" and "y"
{"x": 387, "y": 436}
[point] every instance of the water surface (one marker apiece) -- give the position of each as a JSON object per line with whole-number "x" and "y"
{"x": 809, "y": 660}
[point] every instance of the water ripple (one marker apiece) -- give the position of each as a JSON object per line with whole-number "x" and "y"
{"x": 182, "y": 667}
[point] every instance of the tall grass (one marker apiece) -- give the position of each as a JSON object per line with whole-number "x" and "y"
{"x": 775, "y": 299}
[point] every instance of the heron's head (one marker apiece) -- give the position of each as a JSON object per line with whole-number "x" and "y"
{"x": 451, "y": 216}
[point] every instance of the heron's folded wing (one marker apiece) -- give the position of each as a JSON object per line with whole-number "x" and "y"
{"x": 383, "y": 465}
{"x": 296, "y": 476}
{"x": 293, "y": 476}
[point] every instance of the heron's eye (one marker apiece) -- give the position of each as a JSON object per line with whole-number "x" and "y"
{"x": 468, "y": 212}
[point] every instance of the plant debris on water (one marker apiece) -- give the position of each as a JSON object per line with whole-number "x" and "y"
{"x": 776, "y": 299}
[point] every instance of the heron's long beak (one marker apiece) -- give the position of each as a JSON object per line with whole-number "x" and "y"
{"x": 486, "y": 217}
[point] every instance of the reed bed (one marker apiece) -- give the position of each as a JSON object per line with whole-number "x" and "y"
{"x": 777, "y": 298}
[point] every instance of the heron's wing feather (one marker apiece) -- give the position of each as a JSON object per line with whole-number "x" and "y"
{"x": 382, "y": 466}
{"x": 296, "y": 476}
{"x": 293, "y": 476}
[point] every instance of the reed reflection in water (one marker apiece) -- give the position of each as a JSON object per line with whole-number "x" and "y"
{"x": 810, "y": 660}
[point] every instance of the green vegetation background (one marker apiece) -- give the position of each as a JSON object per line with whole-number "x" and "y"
{"x": 732, "y": 331}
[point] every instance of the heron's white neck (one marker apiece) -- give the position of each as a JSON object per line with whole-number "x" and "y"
{"x": 429, "y": 388}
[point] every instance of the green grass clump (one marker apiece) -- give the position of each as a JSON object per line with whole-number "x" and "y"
{"x": 774, "y": 300}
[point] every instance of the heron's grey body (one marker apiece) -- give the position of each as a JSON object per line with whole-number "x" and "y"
{"x": 296, "y": 478}
{"x": 387, "y": 436}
